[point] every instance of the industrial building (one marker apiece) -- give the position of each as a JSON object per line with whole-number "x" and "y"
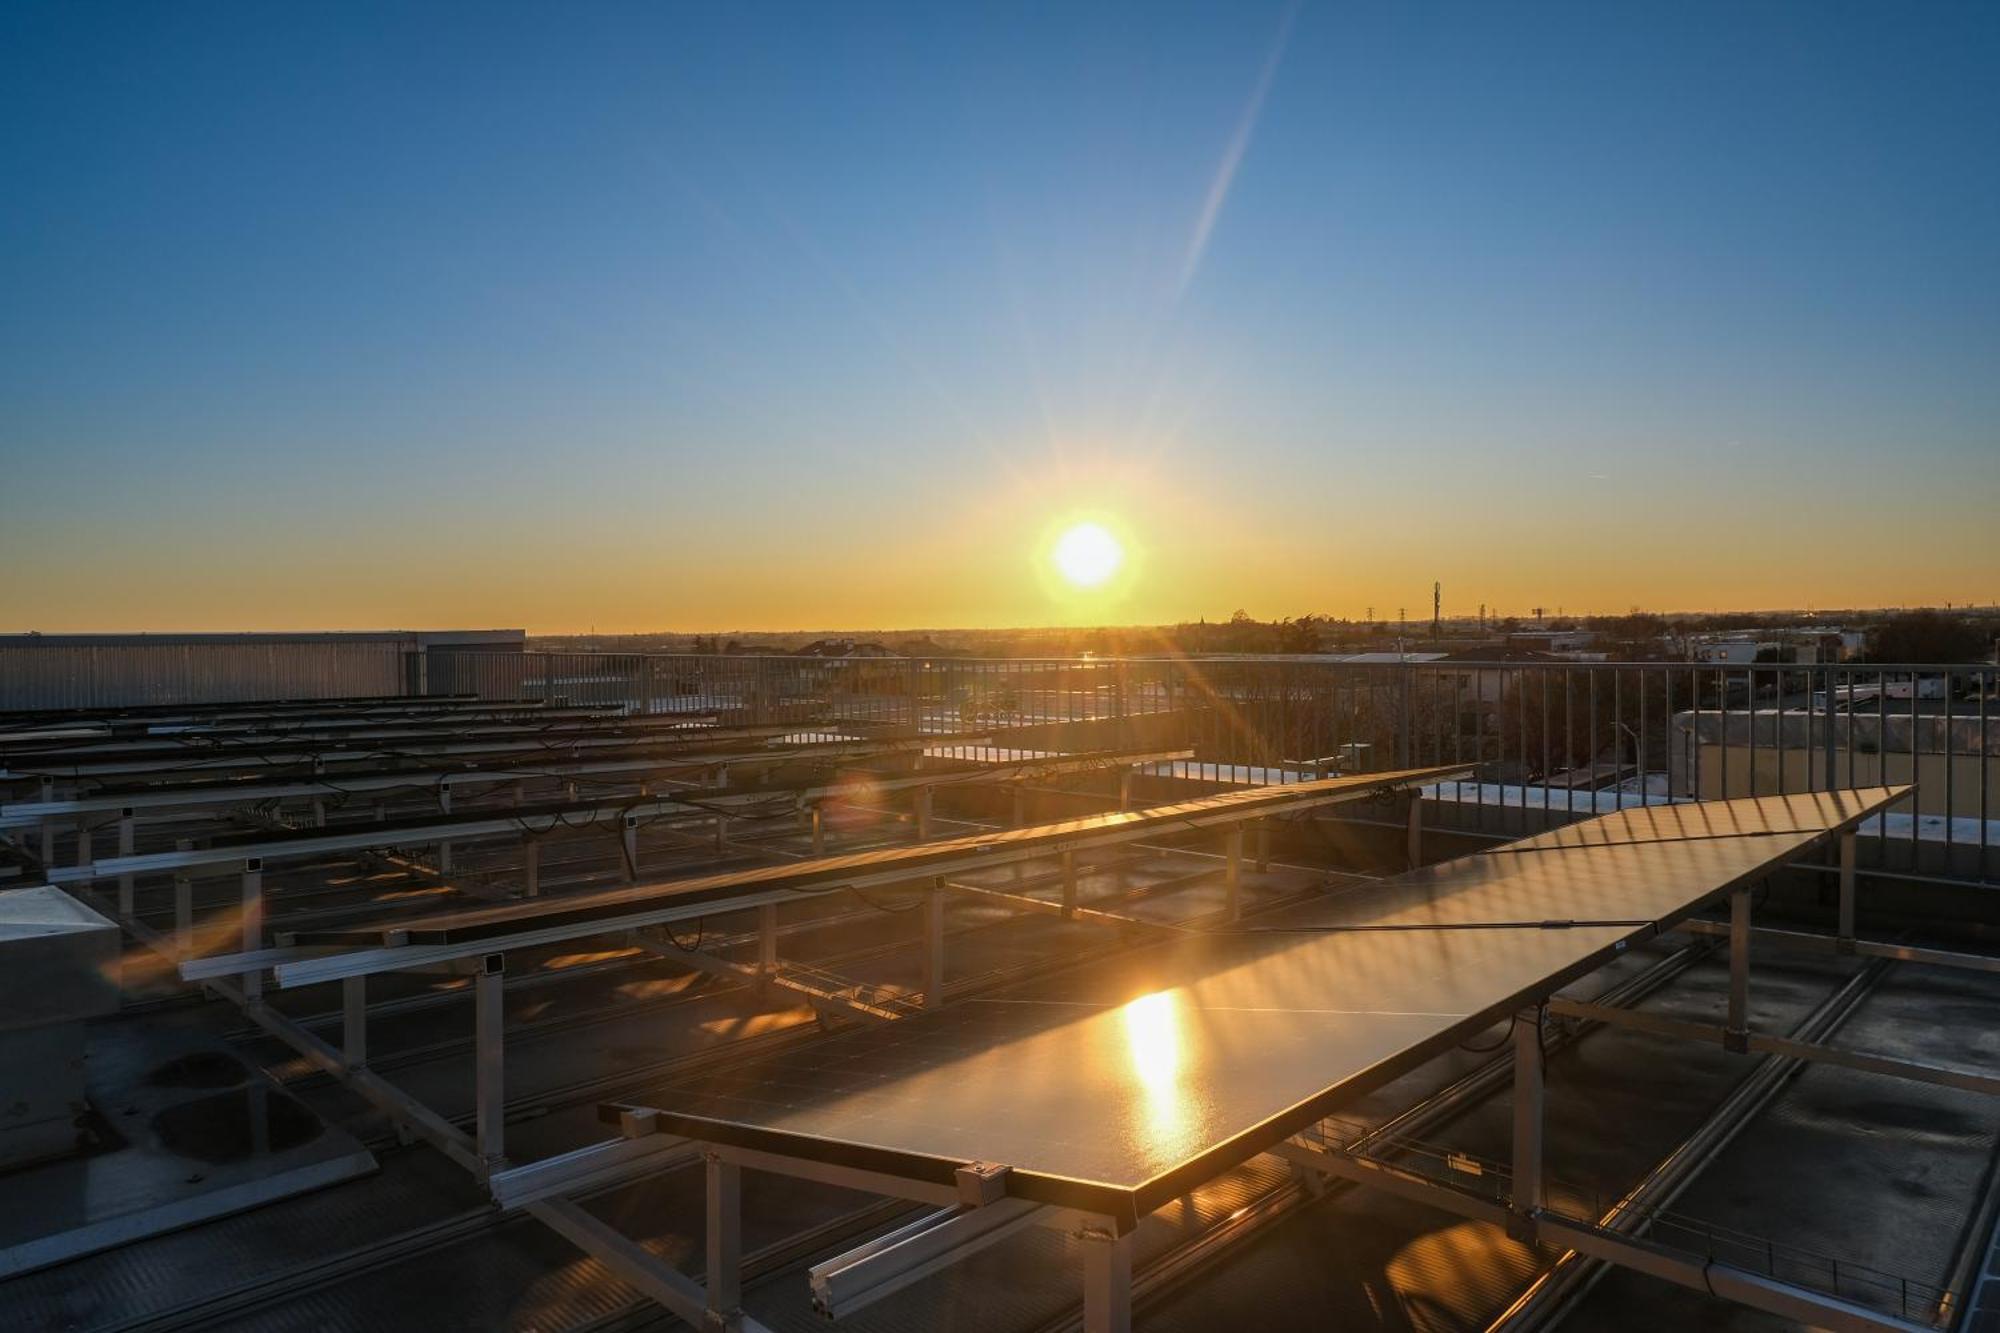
{"x": 501, "y": 989}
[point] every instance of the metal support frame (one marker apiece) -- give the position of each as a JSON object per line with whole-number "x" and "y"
{"x": 125, "y": 837}
{"x": 489, "y": 1053}
{"x": 444, "y": 844}
{"x": 184, "y": 907}
{"x": 252, "y": 900}
{"x": 1232, "y": 875}
{"x": 1529, "y": 1097}
{"x": 724, "y": 1244}
{"x": 1736, "y": 1033}
{"x": 1758, "y": 1043}
{"x": 1683, "y": 1268}
{"x": 934, "y": 944}
{"x": 1810, "y": 942}
{"x": 354, "y": 1021}
{"x": 767, "y": 938}
{"x": 1107, "y": 1280}
{"x": 1847, "y": 867}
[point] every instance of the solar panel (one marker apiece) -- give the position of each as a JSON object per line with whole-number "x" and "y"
{"x": 878, "y": 865}
{"x": 1117, "y": 1088}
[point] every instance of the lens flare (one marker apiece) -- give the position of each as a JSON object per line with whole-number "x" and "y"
{"x": 1087, "y": 554}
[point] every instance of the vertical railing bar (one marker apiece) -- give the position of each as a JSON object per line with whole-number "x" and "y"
{"x": 1950, "y": 783}
{"x": 1617, "y": 741}
{"x": 1569, "y": 744}
{"x": 1916, "y": 806}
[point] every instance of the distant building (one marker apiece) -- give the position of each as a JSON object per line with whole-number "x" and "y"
{"x": 844, "y": 648}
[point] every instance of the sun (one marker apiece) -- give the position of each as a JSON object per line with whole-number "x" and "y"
{"x": 1087, "y": 554}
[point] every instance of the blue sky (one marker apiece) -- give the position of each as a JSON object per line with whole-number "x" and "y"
{"x": 660, "y": 316}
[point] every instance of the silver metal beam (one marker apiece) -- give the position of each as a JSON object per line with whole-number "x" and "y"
{"x": 859, "y": 1277}
{"x": 1107, "y": 1280}
{"x": 1528, "y": 1122}
{"x": 1759, "y": 1043}
{"x": 1810, "y": 942}
{"x": 1735, "y": 1033}
{"x": 1683, "y": 1268}
{"x": 489, "y": 1041}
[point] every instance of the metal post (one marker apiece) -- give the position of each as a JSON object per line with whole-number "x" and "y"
{"x": 1069, "y": 884}
{"x": 126, "y": 833}
{"x": 934, "y": 945}
{"x": 489, "y": 1047}
{"x": 767, "y": 938}
{"x": 48, "y": 824}
{"x": 1736, "y": 1033}
{"x": 184, "y": 903}
{"x": 1416, "y": 836}
{"x": 444, "y": 845}
{"x": 252, "y": 899}
{"x": 354, "y": 1021}
{"x": 1528, "y": 1096}
{"x": 1107, "y": 1281}
{"x": 531, "y": 854}
{"x": 1847, "y": 892}
{"x": 725, "y": 1242}
{"x": 1233, "y": 874}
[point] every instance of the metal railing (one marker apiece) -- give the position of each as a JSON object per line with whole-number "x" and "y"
{"x": 1549, "y": 741}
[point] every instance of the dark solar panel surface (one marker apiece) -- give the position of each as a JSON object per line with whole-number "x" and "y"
{"x": 831, "y": 872}
{"x": 1120, "y": 1087}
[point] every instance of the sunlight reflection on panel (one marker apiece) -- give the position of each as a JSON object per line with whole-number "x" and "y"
{"x": 1153, "y": 1039}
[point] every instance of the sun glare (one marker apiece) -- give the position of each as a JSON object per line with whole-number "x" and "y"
{"x": 1087, "y": 554}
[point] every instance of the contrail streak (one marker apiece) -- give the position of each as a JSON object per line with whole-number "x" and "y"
{"x": 1232, "y": 156}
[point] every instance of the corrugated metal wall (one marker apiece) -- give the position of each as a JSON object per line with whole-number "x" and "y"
{"x": 55, "y": 674}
